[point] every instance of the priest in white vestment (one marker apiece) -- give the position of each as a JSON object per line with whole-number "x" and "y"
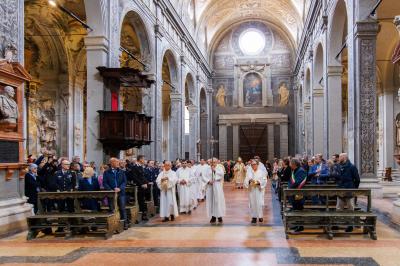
{"x": 184, "y": 188}
{"x": 194, "y": 184}
{"x": 166, "y": 181}
{"x": 256, "y": 181}
{"x": 215, "y": 199}
{"x": 203, "y": 170}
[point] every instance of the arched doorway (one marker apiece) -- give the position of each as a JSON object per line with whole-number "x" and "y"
{"x": 170, "y": 112}
{"x": 56, "y": 59}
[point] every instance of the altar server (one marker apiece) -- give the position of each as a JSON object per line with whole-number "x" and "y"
{"x": 256, "y": 181}
{"x": 184, "y": 188}
{"x": 166, "y": 181}
{"x": 215, "y": 199}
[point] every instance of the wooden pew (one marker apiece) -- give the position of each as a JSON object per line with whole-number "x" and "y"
{"x": 329, "y": 218}
{"x": 309, "y": 204}
{"x": 151, "y": 209}
{"x": 132, "y": 206}
{"x": 106, "y": 221}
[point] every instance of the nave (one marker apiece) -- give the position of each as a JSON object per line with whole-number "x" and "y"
{"x": 191, "y": 240}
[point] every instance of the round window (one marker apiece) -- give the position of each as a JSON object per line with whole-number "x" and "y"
{"x": 251, "y": 42}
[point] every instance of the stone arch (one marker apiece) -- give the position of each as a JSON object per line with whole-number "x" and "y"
{"x": 318, "y": 100}
{"x": 318, "y": 67}
{"x": 56, "y": 58}
{"x": 134, "y": 41}
{"x": 169, "y": 60}
{"x": 337, "y": 75}
{"x": 190, "y": 90}
{"x": 337, "y": 32}
{"x": 170, "y": 110}
{"x": 132, "y": 21}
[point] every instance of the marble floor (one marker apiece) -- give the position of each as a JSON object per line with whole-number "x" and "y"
{"x": 191, "y": 240}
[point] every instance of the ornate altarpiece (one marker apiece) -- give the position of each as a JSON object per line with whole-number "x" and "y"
{"x": 245, "y": 67}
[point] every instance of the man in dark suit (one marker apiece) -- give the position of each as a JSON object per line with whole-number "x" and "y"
{"x": 151, "y": 174}
{"x": 115, "y": 179}
{"x": 32, "y": 186}
{"x": 136, "y": 175}
{"x": 65, "y": 181}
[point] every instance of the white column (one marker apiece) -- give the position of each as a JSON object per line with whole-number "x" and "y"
{"x": 222, "y": 138}
{"x": 193, "y": 111}
{"x": 175, "y": 126}
{"x": 386, "y": 131}
{"x": 97, "y": 54}
{"x": 318, "y": 121}
{"x": 334, "y": 110}
{"x": 236, "y": 141}
{"x": 271, "y": 142}
{"x": 284, "y": 140}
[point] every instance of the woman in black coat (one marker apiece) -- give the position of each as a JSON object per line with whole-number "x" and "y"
{"x": 32, "y": 186}
{"x": 89, "y": 182}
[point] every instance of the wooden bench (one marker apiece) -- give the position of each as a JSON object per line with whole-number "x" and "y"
{"x": 132, "y": 205}
{"x": 105, "y": 220}
{"x": 329, "y": 218}
{"x": 309, "y": 204}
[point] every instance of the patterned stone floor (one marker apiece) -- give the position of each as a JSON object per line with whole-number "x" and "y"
{"x": 191, "y": 240}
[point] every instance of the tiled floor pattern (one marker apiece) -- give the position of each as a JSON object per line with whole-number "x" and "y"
{"x": 191, "y": 240}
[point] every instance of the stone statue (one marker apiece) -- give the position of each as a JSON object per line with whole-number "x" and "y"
{"x": 220, "y": 97}
{"x": 48, "y": 128}
{"x": 8, "y": 109}
{"x": 283, "y": 95}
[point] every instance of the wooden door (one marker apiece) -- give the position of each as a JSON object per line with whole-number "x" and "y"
{"x": 253, "y": 141}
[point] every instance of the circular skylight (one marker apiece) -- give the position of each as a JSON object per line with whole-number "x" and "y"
{"x": 252, "y": 42}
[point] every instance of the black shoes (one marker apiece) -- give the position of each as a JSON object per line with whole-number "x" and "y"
{"x": 189, "y": 212}
{"x": 299, "y": 229}
{"x": 165, "y": 219}
{"x": 144, "y": 217}
{"x": 172, "y": 218}
{"x": 349, "y": 229}
{"x": 213, "y": 220}
{"x": 260, "y": 220}
{"x": 254, "y": 220}
{"x": 220, "y": 220}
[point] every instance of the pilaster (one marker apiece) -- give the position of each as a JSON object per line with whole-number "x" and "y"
{"x": 363, "y": 106}
{"x": 97, "y": 55}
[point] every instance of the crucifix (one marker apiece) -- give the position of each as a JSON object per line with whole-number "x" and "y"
{"x": 212, "y": 142}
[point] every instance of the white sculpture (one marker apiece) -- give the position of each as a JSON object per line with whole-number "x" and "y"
{"x": 8, "y": 107}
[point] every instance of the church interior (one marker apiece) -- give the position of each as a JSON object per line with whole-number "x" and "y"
{"x": 87, "y": 82}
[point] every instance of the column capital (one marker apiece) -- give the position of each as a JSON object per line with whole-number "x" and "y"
{"x": 366, "y": 29}
{"x": 95, "y": 43}
{"x": 192, "y": 108}
{"x": 318, "y": 92}
{"x": 175, "y": 96}
{"x": 335, "y": 70}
